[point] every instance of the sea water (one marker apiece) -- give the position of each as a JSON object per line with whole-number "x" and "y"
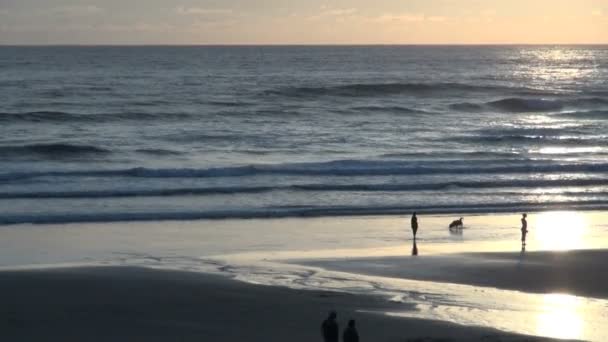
{"x": 149, "y": 133}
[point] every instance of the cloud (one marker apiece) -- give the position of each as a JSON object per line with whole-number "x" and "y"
{"x": 78, "y": 10}
{"x": 336, "y": 13}
{"x": 202, "y": 11}
{"x": 141, "y": 27}
{"x": 404, "y": 17}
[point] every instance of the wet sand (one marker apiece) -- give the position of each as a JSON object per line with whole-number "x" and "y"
{"x": 582, "y": 272}
{"x": 138, "y": 304}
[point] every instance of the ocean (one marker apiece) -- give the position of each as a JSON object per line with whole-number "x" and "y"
{"x": 99, "y": 134}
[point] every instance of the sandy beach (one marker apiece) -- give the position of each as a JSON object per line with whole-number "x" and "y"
{"x": 275, "y": 280}
{"x": 136, "y": 304}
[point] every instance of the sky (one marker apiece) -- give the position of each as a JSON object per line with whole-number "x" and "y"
{"x": 303, "y": 22}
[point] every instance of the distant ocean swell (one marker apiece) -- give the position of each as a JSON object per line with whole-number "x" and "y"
{"x": 576, "y": 107}
{"x": 65, "y": 117}
{"x": 301, "y": 211}
{"x": 337, "y": 168}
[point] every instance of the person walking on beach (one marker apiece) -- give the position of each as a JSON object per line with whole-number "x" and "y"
{"x": 524, "y": 229}
{"x": 414, "y": 224}
{"x": 329, "y": 328}
{"x": 350, "y": 333}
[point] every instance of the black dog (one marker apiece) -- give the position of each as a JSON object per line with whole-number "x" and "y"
{"x": 456, "y": 224}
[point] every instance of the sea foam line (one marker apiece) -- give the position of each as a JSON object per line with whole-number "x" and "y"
{"x": 333, "y": 168}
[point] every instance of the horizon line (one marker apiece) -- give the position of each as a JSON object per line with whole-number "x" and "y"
{"x": 296, "y": 44}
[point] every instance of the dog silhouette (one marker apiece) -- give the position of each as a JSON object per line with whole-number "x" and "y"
{"x": 456, "y": 224}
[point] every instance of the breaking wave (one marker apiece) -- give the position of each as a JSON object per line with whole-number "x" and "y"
{"x": 443, "y": 186}
{"x": 334, "y": 168}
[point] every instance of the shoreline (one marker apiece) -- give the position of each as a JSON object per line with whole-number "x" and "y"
{"x": 133, "y": 304}
{"x": 538, "y": 272}
{"x": 304, "y": 213}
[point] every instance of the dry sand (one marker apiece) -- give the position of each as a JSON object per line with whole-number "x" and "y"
{"x": 137, "y": 304}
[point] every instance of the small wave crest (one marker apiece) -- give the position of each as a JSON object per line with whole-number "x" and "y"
{"x": 389, "y": 109}
{"x": 552, "y": 140}
{"x": 157, "y": 151}
{"x": 67, "y": 117}
{"x": 525, "y": 105}
{"x": 54, "y": 150}
{"x": 586, "y": 115}
{"x": 380, "y": 89}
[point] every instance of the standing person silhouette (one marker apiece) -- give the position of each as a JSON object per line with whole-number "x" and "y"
{"x": 524, "y": 230}
{"x": 414, "y": 224}
{"x": 329, "y": 328}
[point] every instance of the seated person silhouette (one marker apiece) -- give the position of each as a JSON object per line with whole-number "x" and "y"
{"x": 350, "y": 333}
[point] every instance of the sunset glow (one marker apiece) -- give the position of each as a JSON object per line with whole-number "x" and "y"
{"x": 303, "y": 22}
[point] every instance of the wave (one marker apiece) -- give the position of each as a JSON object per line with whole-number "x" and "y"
{"x": 469, "y": 156}
{"x": 55, "y": 150}
{"x": 158, "y": 151}
{"x": 302, "y": 211}
{"x": 228, "y": 103}
{"x": 533, "y": 139}
{"x": 466, "y": 107}
{"x": 138, "y": 193}
{"x": 533, "y": 131}
{"x": 589, "y": 115}
{"x": 334, "y": 168}
{"x": 448, "y": 187}
{"x": 67, "y": 117}
{"x": 379, "y": 89}
{"x": 525, "y": 105}
{"x": 389, "y": 109}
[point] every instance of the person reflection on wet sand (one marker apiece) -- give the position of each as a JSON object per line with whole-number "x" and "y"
{"x": 524, "y": 231}
{"x": 414, "y": 248}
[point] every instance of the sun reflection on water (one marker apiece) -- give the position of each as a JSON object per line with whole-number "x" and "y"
{"x": 562, "y": 230}
{"x": 560, "y": 317}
